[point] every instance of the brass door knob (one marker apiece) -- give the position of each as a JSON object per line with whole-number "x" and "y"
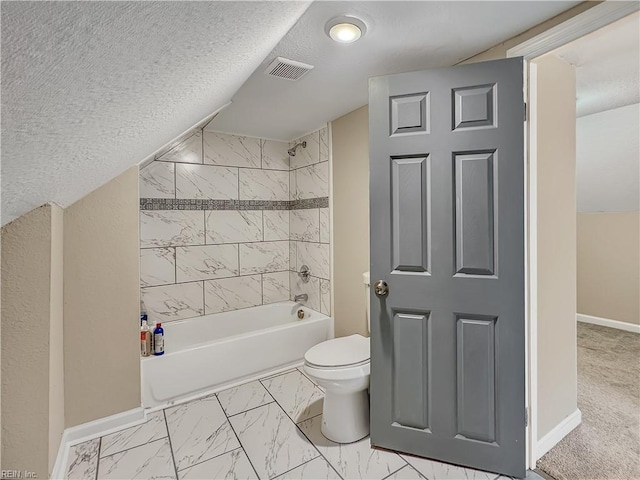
{"x": 381, "y": 288}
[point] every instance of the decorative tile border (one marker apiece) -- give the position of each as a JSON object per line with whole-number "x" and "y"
{"x": 318, "y": 202}
{"x": 199, "y": 204}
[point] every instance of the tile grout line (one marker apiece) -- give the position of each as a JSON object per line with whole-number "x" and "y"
{"x": 297, "y": 466}
{"x": 219, "y": 278}
{"x": 237, "y": 437}
{"x": 173, "y": 457}
{"x": 208, "y": 459}
{"x": 300, "y": 430}
{"x": 252, "y": 408}
{"x": 412, "y": 468}
{"x": 395, "y": 471}
{"x": 98, "y": 459}
{"x": 137, "y": 446}
{"x": 314, "y": 446}
{"x": 305, "y": 436}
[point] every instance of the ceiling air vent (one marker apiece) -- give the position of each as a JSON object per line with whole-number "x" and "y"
{"x": 287, "y": 69}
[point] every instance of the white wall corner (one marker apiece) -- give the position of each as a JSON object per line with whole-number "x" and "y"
{"x": 87, "y": 431}
{"x": 607, "y": 322}
{"x": 557, "y": 433}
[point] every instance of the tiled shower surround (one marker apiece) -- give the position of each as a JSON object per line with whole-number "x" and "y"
{"x": 226, "y": 222}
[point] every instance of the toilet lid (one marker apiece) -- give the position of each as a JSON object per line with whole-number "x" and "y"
{"x": 339, "y": 352}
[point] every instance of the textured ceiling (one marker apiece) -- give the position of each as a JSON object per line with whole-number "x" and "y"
{"x": 402, "y": 36}
{"x": 607, "y": 65}
{"x": 92, "y": 88}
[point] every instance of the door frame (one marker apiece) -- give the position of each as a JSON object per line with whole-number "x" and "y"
{"x": 576, "y": 27}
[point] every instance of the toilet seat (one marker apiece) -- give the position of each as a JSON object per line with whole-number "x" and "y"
{"x": 353, "y": 372}
{"x": 339, "y": 353}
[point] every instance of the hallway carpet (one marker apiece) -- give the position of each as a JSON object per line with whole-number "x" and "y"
{"x": 607, "y": 443}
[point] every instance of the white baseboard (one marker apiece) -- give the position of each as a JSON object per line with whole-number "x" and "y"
{"x": 607, "y": 322}
{"x": 103, "y": 426}
{"x": 560, "y": 431}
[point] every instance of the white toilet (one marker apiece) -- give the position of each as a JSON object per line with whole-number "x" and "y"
{"x": 341, "y": 367}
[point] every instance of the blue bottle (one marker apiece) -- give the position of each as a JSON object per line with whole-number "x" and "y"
{"x": 158, "y": 340}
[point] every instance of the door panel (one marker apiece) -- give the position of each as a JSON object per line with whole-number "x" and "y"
{"x": 475, "y": 212}
{"x": 410, "y": 214}
{"x": 447, "y": 235}
{"x": 410, "y": 391}
{"x": 476, "y": 378}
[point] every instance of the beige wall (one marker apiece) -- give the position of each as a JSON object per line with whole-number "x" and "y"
{"x": 56, "y": 337}
{"x": 556, "y": 236}
{"x": 500, "y": 50}
{"x": 609, "y": 265}
{"x": 32, "y": 368}
{"x": 350, "y": 144}
{"x": 101, "y": 302}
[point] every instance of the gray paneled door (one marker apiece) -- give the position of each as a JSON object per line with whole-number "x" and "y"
{"x": 447, "y": 236}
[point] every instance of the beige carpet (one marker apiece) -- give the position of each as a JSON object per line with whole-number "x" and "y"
{"x": 607, "y": 443}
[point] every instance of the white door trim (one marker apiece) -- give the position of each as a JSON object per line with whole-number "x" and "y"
{"x": 582, "y": 24}
{"x": 531, "y": 294}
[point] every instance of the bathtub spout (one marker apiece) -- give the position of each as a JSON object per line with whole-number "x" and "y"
{"x": 302, "y": 297}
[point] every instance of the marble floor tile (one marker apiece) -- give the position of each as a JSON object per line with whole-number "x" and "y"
{"x": 271, "y": 440}
{"x": 296, "y": 394}
{"x": 83, "y": 460}
{"x": 232, "y": 465}
{"x": 245, "y": 397}
{"x": 406, "y": 473}
{"x": 199, "y": 430}
{"x": 301, "y": 370}
{"x": 316, "y": 469}
{"x": 353, "y": 460}
{"x": 434, "y": 470}
{"x": 153, "y": 429}
{"x": 150, "y": 461}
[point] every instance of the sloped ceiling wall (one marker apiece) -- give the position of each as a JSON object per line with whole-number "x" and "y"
{"x": 92, "y": 88}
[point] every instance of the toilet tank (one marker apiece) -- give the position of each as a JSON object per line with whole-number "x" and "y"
{"x": 367, "y": 297}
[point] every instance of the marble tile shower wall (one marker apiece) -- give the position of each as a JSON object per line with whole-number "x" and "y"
{"x": 310, "y": 227}
{"x": 226, "y": 221}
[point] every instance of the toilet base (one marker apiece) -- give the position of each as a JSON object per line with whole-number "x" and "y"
{"x": 345, "y": 417}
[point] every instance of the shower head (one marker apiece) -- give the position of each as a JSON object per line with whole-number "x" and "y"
{"x": 292, "y": 150}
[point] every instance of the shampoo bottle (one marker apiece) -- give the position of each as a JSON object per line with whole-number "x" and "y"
{"x": 158, "y": 340}
{"x": 145, "y": 338}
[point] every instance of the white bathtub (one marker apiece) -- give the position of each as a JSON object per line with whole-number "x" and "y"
{"x": 207, "y": 353}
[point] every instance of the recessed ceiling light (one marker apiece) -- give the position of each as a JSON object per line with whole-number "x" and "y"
{"x": 345, "y": 29}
